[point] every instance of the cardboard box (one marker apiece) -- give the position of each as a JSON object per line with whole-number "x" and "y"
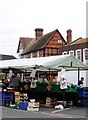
{"x": 17, "y": 100}
{"x": 33, "y": 104}
{"x": 17, "y": 93}
{"x": 32, "y": 109}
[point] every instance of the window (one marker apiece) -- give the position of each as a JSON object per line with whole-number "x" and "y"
{"x": 64, "y": 53}
{"x": 37, "y": 53}
{"x": 59, "y": 41}
{"x": 71, "y": 52}
{"x": 78, "y": 54}
{"x": 31, "y": 55}
{"x": 85, "y": 55}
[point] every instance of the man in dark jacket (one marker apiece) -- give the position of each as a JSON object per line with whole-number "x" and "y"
{"x": 80, "y": 83}
{"x": 14, "y": 81}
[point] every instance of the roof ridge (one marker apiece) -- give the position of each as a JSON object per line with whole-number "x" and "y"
{"x": 74, "y": 41}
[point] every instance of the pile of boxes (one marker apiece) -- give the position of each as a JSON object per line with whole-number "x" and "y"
{"x": 20, "y": 97}
{"x": 17, "y": 97}
{"x": 33, "y": 106}
{"x": 49, "y": 102}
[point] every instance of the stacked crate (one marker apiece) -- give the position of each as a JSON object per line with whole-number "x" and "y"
{"x": 20, "y": 97}
{"x": 83, "y": 96}
{"x": 23, "y": 105}
{"x": 7, "y": 97}
{"x": 23, "y": 97}
{"x": 17, "y": 97}
{"x": 49, "y": 102}
{"x": 33, "y": 106}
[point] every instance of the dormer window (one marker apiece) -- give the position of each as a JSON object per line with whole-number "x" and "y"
{"x": 59, "y": 41}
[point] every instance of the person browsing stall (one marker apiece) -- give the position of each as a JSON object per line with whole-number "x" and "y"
{"x": 14, "y": 81}
{"x": 81, "y": 82}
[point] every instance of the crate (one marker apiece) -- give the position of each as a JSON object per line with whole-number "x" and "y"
{"x": 17, "y": 93}
{"x": 49, "y": 102}
{"x": 7, "y": 96}
{"x": 0, "y": 98}
{"x": 12, "y": 106}
{"x": 84, "y": 102}
{"x": 33, "y": 106}
{"x": 17, "y": 106}
{"x": 82, "y": 94}
{"x": 32, "y": 109}
{"x": 23, "y": 105}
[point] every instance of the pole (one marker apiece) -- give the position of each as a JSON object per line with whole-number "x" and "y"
{"x": 49, "y": 74}
{"x": 78, "y": 74}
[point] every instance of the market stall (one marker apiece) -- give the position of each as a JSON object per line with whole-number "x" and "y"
{"x": 48, "y": 64}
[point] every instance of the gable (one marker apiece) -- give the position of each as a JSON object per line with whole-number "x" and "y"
{"x": 56, "y": 41}
{"x": 23, "y": 42}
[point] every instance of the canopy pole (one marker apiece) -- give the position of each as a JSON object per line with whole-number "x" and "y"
{"x": 71, "y": 64}
{"x": 49, "y": 74}
{"x": 78, "y": 74}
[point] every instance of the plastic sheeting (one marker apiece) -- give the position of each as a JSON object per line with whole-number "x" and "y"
{"x": 69, "y": 62}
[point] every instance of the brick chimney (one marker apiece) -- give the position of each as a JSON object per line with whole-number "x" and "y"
{"x": 38, "y": 33}
{"x": 69, "y": 35}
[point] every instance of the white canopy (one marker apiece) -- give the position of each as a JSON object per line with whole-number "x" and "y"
{"x": 44, "y": 63}
{"x": 68, "y": 62}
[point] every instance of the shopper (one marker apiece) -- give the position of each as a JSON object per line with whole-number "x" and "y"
{"x": 42, "y": 78}
{"x": 14, "y": 81}
{"x": 81, "y": 82}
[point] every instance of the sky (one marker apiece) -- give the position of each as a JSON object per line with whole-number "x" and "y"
{"x": 19, "y": 18}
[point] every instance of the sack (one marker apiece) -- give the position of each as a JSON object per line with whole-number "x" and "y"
{"x": 33, "y": 84}
{"x": 26, "y": 87}
{"x": 49, "y": 87}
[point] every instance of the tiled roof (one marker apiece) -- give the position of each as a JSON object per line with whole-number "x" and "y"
{"x": 40, "y": 43}
{"x": 6, "y": 57}
{"x": 78, "y": 41}
{"x": 25, "y": 41}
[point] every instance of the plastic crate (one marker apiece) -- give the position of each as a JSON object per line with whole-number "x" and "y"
{"x": 84, "y": 102}
{"x": 17, "y": 106}
{"x": 7, "y": 96}
{"x": 23, "y": 105}
{"x": 0, "y": 98}
{"x": 83, "y": 94}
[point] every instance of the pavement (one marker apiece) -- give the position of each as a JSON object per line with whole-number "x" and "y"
{"x": 44, "y": 113}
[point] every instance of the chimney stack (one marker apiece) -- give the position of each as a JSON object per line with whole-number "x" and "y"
{"x": 69, "y": 35}
{"x": 38, "y": 33}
